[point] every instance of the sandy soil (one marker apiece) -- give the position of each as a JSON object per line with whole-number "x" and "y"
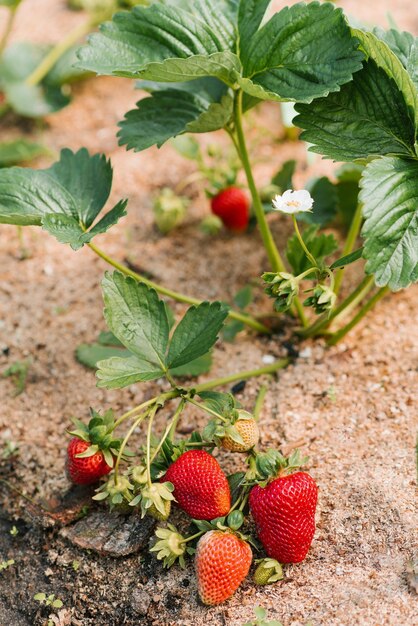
{"x": 352, "y": 405}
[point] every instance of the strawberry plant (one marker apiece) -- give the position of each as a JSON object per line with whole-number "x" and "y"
{"x": 206, "y": 63}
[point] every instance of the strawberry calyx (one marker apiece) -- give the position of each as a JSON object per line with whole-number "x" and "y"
{"x": 118, "y": 492}
{"x": 268, "y": 571}
{"x": 217, "y": 429}
{"x": 155, "y": 500}
{"x": 99, "y": 433}
{"x": 172, "y": 546}
{"x": 266, "y": 466}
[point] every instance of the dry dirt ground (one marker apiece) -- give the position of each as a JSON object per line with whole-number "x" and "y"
{"x": 354, "y": 405}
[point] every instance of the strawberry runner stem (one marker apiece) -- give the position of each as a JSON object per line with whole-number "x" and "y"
{"x": 179, "y": 297}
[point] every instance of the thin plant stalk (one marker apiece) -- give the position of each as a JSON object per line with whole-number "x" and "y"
{"x": 302, "y": 243}
{"x": 245, "y": 319}
{"x": 125, "y": 441}
{"x": 336, "y": 337}
{"x": 275, "y": 259}
{"x": 259, "y": 402}
{"x": 57, "y": 51}
{"x": 352, "y": 235}
{"x": 226, "y": 380}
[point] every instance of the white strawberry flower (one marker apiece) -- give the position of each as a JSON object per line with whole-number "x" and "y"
{"x": 292, "y": 202}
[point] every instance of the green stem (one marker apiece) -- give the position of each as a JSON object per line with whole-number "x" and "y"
{"x": 302, "y": 243}
{"x": 324, "y": 321}
{"x": 170, "y": 429}
{"x": 199, "y": 534}
{"x": 8, "y": 29}
{"x": 245, "y": 319}
{"x": 226, "y": 380}
{"x": 202, "y": 407}
{"x": 136, "y": 409}
{"x": 125, "y": 441}
{"x": 259, "y": 402}
{"x": 336, "y": 337}
{"x": 149, "y": 433}
{"x": 275, "y": 259}
{"x": 349, "y": 244}
{"x": 57, "y": 51}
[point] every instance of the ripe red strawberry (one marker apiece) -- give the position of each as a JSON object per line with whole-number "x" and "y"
{"x": 284, "y": 514}
{"x": 222, "y": 562}
{"x": 200, "y": 486}
{"x": 232, "y": 206}
{"x": 87, "y": 470}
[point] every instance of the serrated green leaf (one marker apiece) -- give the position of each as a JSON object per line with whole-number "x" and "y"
{"x": 368, "y": 117}
{"x": 324, "y": 194}
{"x": 250, "y": 16}
{"x": 87, "y": 178}
{"x": 63, "y": 199}
{"x": 20, "y": 151}
{"x": 305, "y": 51}
{"x": 389, "y": 193}
{"x": 196, "y": 333}
{"x": 172, "y": 112}
{"x": 116, "y": 372}
{"x": 387, "y": 60}
{"x": 164, "y": 43}
{"x": 65, "y": 228}
{"x": 199, "y": 366}
{"x": 90, "y": 354}
{"x": 26, "y": 196}
{"x": 138, "y": 318}
{"x": 320, "y": 246}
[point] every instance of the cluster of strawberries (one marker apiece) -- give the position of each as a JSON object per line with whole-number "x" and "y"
{"x": 280, "y": 498}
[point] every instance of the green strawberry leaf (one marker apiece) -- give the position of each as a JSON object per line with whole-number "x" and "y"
{"x": 64, "y": 199}
{"x": 250, "y": 16}
{"x": 320, "y": 245}
{"x": 137, "y": 317}
{"x": 118, "y": 372}
{"x": 87, "y": 178}
{"x": 20, "y": 151}
{"x": 376, "y": 114}
{"x": 165, "y": 44}
{"x": 349, "y": 125}
{"x": 172, "y": 112}
{"x": 196, "y": 333}
{"x": 405, "y": 46}
{"x": 295, "y": 56}
{"x": 198, "y": 366}
{"x": 389, "y": 193}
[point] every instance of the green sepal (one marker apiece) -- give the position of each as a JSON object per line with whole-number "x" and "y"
{"x": 90, "y": 451}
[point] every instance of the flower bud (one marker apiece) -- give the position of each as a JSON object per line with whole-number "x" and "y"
{"x": 283, "y": 287}
{"x": 322, "y": 299}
